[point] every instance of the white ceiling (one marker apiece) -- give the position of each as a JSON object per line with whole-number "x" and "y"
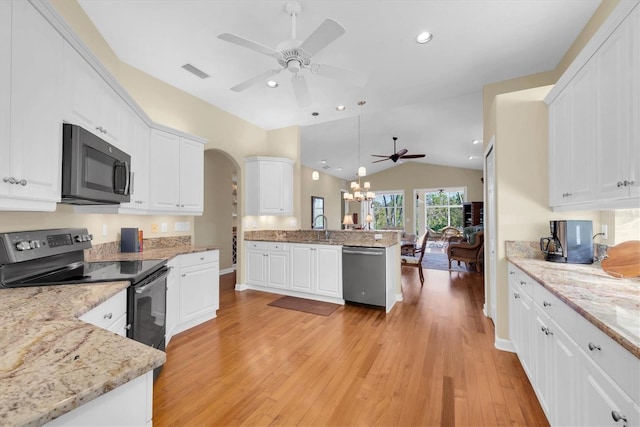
{"x": 429, "y": 96}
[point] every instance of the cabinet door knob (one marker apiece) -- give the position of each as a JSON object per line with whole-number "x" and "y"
{"x": 546, "y": 304}
{"x": 108, "y": 315}
{"x": 617, "y": 417}
{"x": 619, "y": 184}
{"x": 512, "y": 272}
{"x": 22, "y": 182}
{"x": 593, "y": 347}
{"x": 522, "y": 282}
{"x": 184, "y": 275}
{"x": 626, "y": 183}
{"x": 516, "y": 295}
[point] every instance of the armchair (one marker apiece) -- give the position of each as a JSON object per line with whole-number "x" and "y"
{"x": 467, "y": 252}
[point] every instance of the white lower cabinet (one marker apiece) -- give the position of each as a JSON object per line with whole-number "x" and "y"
{"x": 317, "y": 269}
{"x": 130, "y": 404}
{"x": 306, "y": 270}
{"x": 579, "y": 374}
{"x": 268, "y": 264}
{"x": 193, "y": 291}
{"x": 110, "y": 315}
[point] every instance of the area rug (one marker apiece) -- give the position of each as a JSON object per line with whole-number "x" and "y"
{"x": 306, "y": 305}
{"x": 440, "y": 261}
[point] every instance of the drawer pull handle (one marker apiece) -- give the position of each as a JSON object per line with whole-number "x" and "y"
{"x": 108, "y": 315}
{"x": 512, "y": 272}
{"x": 617, "y": 417}
{"x": 546, "y": 330}
{"x": 593, "y": 347}
{"x": 546, "y": 304}
{"x": 516, "y": 295}
{"x": 522, "y": 282}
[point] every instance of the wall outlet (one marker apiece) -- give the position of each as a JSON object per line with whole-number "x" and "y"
{"x": 104, "y": 229}
{"x": 293, "y": 222}
{"x": 182, "y": 226}
{"x": 163, "y": 227}
{"x": 154, "y": 228}
{"x": 377, "y": 236}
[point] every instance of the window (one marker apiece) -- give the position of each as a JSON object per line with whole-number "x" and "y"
{"x": 387, "y": 210}
{"x": 444, "y": 208}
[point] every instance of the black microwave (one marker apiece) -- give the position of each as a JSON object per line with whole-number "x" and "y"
{"x": 94, "y": 172}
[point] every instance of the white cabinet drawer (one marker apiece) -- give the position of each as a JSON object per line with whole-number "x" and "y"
{"x": 524, "y": 283}
{"x": 109, "y": 312}
{"x": 256, "y": 245}
{"x": 561, "y": 313}
{"x": 622, "y": 366}
{"x": 198, "y": 258}
{"x": 277, "y": 246}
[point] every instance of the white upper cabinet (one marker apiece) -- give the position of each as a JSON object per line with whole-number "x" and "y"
{"x": 138, "y": 134}
{"x": 90, "y": 102}
{"x": 594, "y": 120}
{"x": 176, "y": 174}
{"x": 269, "y": 186}
{"x": 31, "y": 74}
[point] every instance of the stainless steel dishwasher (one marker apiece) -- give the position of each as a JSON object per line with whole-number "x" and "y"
{"x": 364, "y": 275}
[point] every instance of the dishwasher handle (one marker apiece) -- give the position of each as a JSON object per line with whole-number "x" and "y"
{"x": 356, "y": 252}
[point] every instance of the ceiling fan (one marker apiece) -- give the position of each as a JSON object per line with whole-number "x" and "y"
{"x": 397, "y": 155}
{"x": 295, "y": 56}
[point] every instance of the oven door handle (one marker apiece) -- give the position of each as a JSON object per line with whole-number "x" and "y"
{"x": 154, "y": 280}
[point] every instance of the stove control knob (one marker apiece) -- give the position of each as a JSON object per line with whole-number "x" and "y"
{"x": 89, "y": 237}
{"x": 34, "y": 244}
{"x": 23, "y": 246}
{"x": 79, "y": 238}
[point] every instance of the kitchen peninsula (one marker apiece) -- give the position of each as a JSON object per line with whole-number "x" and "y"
{"x": 309, "y": 263}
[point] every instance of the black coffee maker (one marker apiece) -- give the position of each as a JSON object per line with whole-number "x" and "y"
{"x": 570, "y": 242}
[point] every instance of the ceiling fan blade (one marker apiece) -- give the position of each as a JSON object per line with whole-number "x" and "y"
{"x": 379, "y": 155}
{"x": 254, "y": 80}
{"x": 257, "y": 47}
{"x": 381, "y": 160}
{"x": 301, "y": 90}
{"x": 412, "y": 156}
{"x": 401, "y": 152}
{"x": 322, "y": 37}
{"x": 331, "y": 72}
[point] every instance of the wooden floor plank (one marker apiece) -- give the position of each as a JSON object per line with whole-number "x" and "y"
{"x": 431, "y": 361}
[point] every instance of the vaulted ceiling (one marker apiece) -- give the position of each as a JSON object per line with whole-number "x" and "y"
{"x": 428, "y": 95}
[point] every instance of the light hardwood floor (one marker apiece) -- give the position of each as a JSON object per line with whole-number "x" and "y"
{"x": 431, "y": 361}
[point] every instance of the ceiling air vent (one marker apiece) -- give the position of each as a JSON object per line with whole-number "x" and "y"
{"x": 195, "y": 71}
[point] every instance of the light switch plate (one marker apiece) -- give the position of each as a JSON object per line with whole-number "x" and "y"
{"x": 377, "y": 236}
{"x": 163, "y": 227}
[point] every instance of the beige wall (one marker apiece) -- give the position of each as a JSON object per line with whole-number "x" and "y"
{"x": 215, "y": 226}
{"x": 522, "y": 182}
{"x": 327, "y": 186}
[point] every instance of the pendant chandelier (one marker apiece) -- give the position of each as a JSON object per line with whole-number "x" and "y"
{"x": 360, "y": 192}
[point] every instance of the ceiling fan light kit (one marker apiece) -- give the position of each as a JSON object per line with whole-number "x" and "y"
{"x": 360, "y": 193}
{"x": 295, "y": 55}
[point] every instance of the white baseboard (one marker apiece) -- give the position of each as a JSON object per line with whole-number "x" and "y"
{"x": 399, "y": 297}
{"x": 504, "y": 345}
{"x": 241, "y": 287}
{"x": 227, "y": 270}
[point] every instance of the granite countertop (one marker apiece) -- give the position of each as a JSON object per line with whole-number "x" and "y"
{"x": 360, "y": 238}
{"x": 156, "y": 253}
{"x": 51, "y": 362}
{"x": 611, "y": 304}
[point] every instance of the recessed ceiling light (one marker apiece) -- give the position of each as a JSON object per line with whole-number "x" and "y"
{"x": 324, "y": 162}
{"x": 476, "y": 141}
{"x": 341, "y": 108}
{"x": 272, "y": 84}
{"x": 338, "y": 168}
{"x": 424, "y": 37}
{"x": 470, "y": 157}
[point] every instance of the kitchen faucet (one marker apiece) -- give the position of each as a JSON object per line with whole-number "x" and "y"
{"x": 324, "y": 225}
